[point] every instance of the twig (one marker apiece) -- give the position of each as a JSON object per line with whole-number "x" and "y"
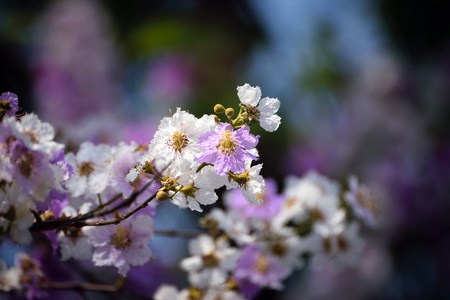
{"x": 116, "y": 220}
{"x": 79, "y": 221}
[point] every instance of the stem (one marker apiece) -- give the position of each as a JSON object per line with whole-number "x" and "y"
{"x": 116, "y": 220}
{"x": 79, "y": 221}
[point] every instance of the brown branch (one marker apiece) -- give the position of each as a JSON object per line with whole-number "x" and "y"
{"x": 116, "y": 220}
{"x": 79, "y": 221}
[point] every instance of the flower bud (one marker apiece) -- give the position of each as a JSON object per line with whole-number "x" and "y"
{"x": 219, "y": 109}
{"x": 229, "y": 112}
{"x": 216, "y": 119}
{"x": 162, "y": 195}
{"x": 47, "y": 215}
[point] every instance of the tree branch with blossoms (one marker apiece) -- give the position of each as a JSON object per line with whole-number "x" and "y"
{"x": 255, "y": 242}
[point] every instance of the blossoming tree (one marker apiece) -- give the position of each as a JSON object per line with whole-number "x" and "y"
{"x": 99, "y": 203}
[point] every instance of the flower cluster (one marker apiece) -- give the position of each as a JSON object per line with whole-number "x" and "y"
{"x": 97, "y": 202}
{"x": 254, "y": 247}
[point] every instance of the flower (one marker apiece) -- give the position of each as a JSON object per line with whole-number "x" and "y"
{"x": 170, "y": 292}
{"x": 265, "y": 113}
{"x": 313, "y": 198}
{"x": 36, "y": 135}
{"x": 72, "y": 241}
{"x": 9, "y": 104}
{"x": 227, "y": 149}
{"x": 125, "y": 157}
{"x": 90, "y": 169}
{"x": 337, "y": 243}
{"x": 9, "y": 277}
{"x": 211, "y": 261}
{"x": 259, "y": 268}
{"x": 122, "y": 245}
{"x": 268, "y": 208}
{"x": 16, "y": 217}
{"x": 361, "y": 201}
{"x": 192, "y": 197}
{"x": 175, "y": 142}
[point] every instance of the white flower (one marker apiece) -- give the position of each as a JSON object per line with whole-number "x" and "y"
{"x": 208, "y": 178}
{"x": 37, "y": 135}
{"x": 232, "y": 223}
{"x": 17, "y": 205}
{"x": 265, "y": 112}
{"x": 91, "y": 172}
{"x": 175, "y": 142}
{"x": 336, "y": 242}
{"x": 73, "y": 242}
{"x": 362, "y": 201}
{"x": 191, "y": 196}
{"x": 211, "y": 262}
{"x": 254, "y": 187}
{"x": 170, "y": 292}
{"x": 312, "y": 196}
{"x": 9, "y": 278}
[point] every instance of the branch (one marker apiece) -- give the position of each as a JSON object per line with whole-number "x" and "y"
{"x": 116, "y": 220}
{"x": 79, "y": 221}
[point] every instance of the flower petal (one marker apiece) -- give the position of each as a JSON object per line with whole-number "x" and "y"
{"x": 249, "y": 95}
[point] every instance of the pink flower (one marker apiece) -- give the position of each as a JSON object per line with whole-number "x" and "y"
{"x": 227, "y": 149}
{"x": 122, "y": 245}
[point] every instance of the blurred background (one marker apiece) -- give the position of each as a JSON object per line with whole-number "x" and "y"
{"x": 364, "y": 87}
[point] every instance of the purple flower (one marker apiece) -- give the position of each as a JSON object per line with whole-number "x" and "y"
{"x": 266, "y": 211}
{"x": 11, "y": 104}
{"x": 59, "y": 202}
{"x": 122, "y": 245}
{"x": 32, "y": 275}
{"x": 260, "y": 269}
{"x": 227, "y": 149}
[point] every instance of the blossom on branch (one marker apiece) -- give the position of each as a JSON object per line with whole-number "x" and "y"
{"x": 264, "y": 113}
{"x": 227, "y": 149}
{"x": 122, "y": 245}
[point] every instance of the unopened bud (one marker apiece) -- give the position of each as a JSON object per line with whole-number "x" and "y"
{"x": 47, "y": 215}
{"x": 216, "y": 119}
{"x": 219, "y": 109}
{"x": 229, "y": 112}
{"x": 162, "y": 195}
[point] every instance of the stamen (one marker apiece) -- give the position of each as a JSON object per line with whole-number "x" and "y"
{"x": 178, "y": 141}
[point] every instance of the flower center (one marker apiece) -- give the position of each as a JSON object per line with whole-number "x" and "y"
{"x": 121, "y": 239}
{"x": 26, "y": 164}
{"x": 32, "y": 136}
{"x": 327, "y": 245}
{"x": 252, "y": 113}
{"x": 279, "y": 249}
{"x": 365, "y": 199}
{"x": 228, "y": 143}
{"x": 178, "y": 141}
{"x": 342, "y": 244}
{"x": 262, "y": 264}
{"x": 210, "y": 260}
{"x": 86, "y": 168}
